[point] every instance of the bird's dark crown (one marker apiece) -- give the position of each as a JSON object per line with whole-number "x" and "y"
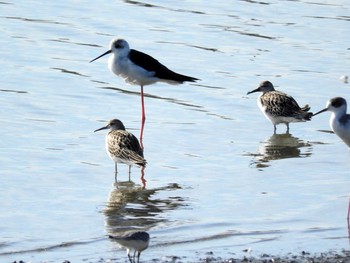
{"x": 338, "y": 102}
{"x": 116, "y": 124}
{"x": 119, "y": 43}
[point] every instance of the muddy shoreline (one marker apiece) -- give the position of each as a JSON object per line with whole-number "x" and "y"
{"x": 302, "y": 257}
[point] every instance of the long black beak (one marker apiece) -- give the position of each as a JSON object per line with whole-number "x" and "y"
{"x": 320, "y": 111}
{"x": 107, "y": 52}
{"x": 103, "y": 128}
{"x": 256, "y": 90}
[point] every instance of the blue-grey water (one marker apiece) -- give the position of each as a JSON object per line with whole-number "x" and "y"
{"x": 217, "y": 179}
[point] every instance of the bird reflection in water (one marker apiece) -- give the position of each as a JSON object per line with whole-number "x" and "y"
{"x": 280, "y": 146}
{"x": 130, "y": 207}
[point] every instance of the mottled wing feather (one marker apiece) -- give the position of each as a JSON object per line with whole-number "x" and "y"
{"x": 280, "y": 104}
{"x": 126, "y": 154}
{"x": 125, "y": 146}
{"x": 140, "y": 235}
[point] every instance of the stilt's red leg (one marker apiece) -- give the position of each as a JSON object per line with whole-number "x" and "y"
{"x": 143, "y": 116}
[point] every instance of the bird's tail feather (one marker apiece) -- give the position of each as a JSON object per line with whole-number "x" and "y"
{"x": 305, "y": 112}
{"x": 306, "y": 108}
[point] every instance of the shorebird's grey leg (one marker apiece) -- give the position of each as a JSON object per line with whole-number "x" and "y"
{"x": 115, "y": 172}
{"x": 129, "y": 256}
{"x": 138, "y": 257}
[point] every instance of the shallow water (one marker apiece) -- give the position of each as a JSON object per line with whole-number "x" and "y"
{"x": 217, "y": 179}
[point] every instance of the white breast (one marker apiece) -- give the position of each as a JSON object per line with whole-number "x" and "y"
{"x": 130, "y": 72}
{"x": 266, "y": 114}
{"x": 341, "y": 129}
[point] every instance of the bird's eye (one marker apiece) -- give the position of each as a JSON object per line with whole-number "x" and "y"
{"x": 117, "y": 45}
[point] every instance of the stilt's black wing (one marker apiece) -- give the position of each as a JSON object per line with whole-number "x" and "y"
{"x": 160, "y": 71}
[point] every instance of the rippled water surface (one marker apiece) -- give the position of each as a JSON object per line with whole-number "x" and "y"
{"x": 218, "y": 180}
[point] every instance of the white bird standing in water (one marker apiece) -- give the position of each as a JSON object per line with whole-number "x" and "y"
{"x": 278, "y": 107}
{"x": 340, "y": 124}
{"x": 139, "y": 68}
{"x": 339, "y": 121}
{"x": 122, "y": 146}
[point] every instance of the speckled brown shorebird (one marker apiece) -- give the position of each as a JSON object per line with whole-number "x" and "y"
{"x": 278, "y": 107}
{"x": 133, "y": 241}
{"x": 122, "y": 146}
